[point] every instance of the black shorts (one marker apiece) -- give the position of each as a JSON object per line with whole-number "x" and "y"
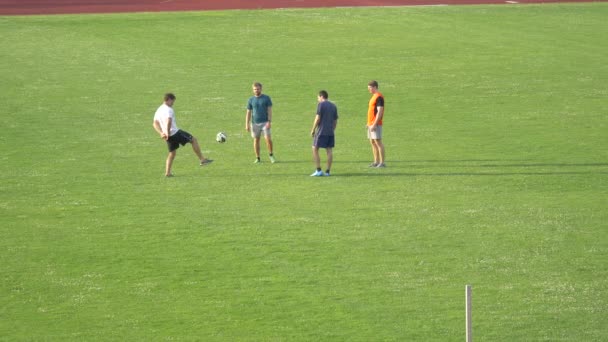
{"x": 179, "y": 138}
{"x": 324, "y": 141}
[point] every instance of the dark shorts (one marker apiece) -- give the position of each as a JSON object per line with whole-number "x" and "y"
{"x": 179, "y": 138}
{"x": 324, "y": 141}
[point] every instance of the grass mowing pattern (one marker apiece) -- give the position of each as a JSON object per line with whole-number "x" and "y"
{"x": 496, "y": 146}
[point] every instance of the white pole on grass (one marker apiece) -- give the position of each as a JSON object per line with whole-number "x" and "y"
{"x": 469, "y": 297}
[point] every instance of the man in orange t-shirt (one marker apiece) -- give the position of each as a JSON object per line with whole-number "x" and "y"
{"x": 375, "y": 113}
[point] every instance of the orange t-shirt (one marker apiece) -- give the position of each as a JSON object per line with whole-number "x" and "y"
{"x": 376, "y": 101}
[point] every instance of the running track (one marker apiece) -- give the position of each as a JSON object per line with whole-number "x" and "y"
{"x": 25, "y": 7}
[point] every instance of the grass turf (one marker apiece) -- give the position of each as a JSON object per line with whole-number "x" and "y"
{"x": 497, "y": 176}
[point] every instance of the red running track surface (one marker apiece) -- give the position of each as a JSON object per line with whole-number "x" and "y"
{"x": 24, "y": 7}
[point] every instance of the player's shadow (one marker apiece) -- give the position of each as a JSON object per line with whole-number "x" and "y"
{"x": 473, "y": 167}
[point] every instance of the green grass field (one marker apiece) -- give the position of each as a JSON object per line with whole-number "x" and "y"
{"x": 497, "y": 151}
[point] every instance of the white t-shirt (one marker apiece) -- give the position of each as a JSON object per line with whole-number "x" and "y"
{"x": 163, "y": 113}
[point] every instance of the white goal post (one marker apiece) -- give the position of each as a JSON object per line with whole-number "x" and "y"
{"x": 469, "y": 320}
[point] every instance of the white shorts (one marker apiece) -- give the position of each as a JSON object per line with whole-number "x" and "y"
{"x": 375, "y": 135}
{"x": 258, "y": 128}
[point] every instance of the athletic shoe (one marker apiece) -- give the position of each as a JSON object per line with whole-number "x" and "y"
{"x": 326, "y": 174}
{"x": 257, "y": 161}
{"x": 317, "y": 174}
{"x": 373, "y": 165}
{"x": 206, "y": 161}
{"x": 381, "y": 165}
{"x": 272, "y": 160}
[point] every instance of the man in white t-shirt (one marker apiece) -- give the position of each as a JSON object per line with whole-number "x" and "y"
{"x": 164, "y": 123}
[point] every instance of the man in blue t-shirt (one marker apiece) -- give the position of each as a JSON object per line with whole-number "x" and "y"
{"x": 322, "y": 131}
{"x": 258, "y": 120}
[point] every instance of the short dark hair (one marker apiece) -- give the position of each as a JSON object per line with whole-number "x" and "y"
{"x": 324, "y": 94}
{"x": 373, "y": 84}
{"x": 257, "y": 84}
{"x": 169, "y": 96}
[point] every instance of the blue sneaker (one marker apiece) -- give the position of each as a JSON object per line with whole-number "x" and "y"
{"x": 317, "y": 174}
{"x": 326, "y": 174}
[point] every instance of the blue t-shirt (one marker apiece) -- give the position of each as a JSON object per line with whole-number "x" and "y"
{"x": 328, "y": 113}
{"x": 259, "y": 106}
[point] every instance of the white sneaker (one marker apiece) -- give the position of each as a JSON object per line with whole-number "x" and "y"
{"x": 317, "y": 174}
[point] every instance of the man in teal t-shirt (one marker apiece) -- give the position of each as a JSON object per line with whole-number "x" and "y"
{"x": 258, "y": 120}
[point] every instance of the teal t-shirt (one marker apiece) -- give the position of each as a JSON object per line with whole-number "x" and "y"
{"x": 259, "y": 107}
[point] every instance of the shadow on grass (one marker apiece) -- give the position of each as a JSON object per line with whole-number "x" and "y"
{"x": 466, "y": 174}
{"x": 495, "y": 163}
{"x": 404, "y": 168}
{"x": 427, "y": 168}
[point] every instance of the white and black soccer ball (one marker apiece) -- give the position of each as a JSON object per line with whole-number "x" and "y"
{"x": 221, "y": 137}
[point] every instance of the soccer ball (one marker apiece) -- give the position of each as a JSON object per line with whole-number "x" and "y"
{"x": 221, "y": 137}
